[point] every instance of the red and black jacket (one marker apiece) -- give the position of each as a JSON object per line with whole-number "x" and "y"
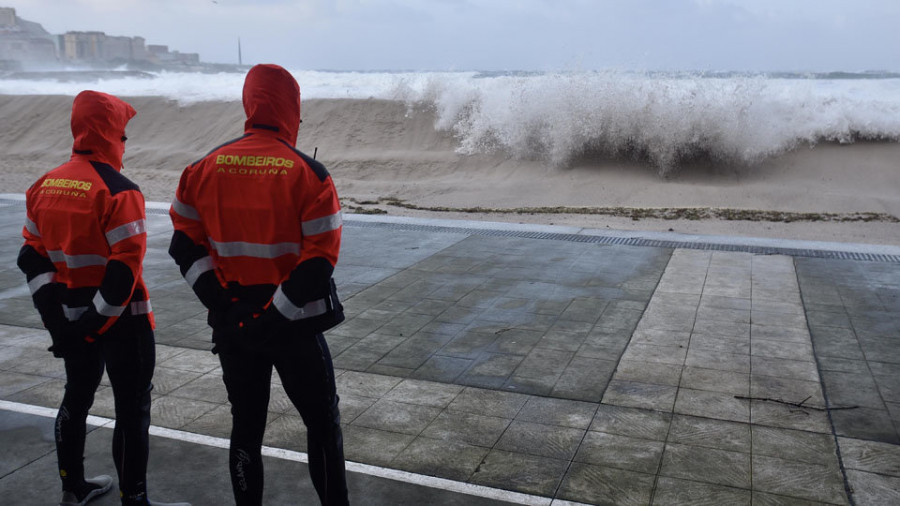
{"x": 85, "y": 231}
{"x": 256, "y": 220}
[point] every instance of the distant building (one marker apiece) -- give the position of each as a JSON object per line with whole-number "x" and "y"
{"x": 93, "y": 47}
{"x": 7, "y": 17}
{"x": 24, "y": 43}
{"x": 22, "y": 40}
{"x": 161, "y": 54}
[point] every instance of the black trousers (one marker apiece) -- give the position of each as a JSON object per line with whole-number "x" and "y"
{"x": 128, "y": 353}
{"x": 307, "y": 375}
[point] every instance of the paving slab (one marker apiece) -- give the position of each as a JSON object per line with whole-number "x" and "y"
{"x": 544, "y": 363}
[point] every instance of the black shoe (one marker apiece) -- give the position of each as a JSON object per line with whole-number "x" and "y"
{"x": 92, "y": 489}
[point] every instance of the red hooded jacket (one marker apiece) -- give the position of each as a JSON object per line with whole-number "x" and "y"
{"x": 256, "y": 220}
{"x": 85, "y": 232}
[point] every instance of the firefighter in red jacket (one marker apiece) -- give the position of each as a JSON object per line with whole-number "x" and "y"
{"x": 257, "y": 235}
{"x": 85, "y": 239}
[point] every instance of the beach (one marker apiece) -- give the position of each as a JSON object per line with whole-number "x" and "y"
{"x": 387, "y": 156}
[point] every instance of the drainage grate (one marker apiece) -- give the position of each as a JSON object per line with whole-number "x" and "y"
{"x": 597, "y": 239}
{"x": 636, "y": 241}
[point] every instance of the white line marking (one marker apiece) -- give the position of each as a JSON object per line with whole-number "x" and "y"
{"x": 355, "y": 467}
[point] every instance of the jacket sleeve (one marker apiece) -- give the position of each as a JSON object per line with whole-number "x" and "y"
{"x": 126, "y": 234}
{"x": 190, "y": 247}
{"x": 321, "y": 222}
{"x": 40, "y": 273}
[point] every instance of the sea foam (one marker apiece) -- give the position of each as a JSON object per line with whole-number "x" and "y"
{"x": 664, "y": 119}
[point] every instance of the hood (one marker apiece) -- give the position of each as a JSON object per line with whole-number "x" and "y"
{"x": 98, "y": 126}
{"x": 272, "y": 101}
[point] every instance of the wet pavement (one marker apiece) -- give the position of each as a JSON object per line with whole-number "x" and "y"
{"x": 484, "y": 363}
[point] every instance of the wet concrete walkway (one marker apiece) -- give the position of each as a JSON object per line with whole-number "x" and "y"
{"x": 534, "y": 365}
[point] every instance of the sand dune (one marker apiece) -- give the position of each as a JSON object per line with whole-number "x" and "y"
{"x": 378, "y": 149}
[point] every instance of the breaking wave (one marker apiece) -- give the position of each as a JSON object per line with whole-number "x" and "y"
{"x": 665, "y": 120}
{"x": 560, "y": 118}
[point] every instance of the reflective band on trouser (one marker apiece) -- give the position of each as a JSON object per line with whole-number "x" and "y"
{"x": 32, "y": 227}
{"x": 292, "y": 312}
{"x": 139, "y": 307}
{"x": 105, "y": 308}
{"x": 76, "y": 261}
{"x": 39, "y": 281}
{"x": 73, "y": 313}
{"x": 185, "y": 210}
{"x": 199, "y": 267}
{"x": 125, "y": 231}
{"x": 256, "y": 250}
{"x": 323, "y": 224}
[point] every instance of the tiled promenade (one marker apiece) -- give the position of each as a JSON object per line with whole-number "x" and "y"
{"x": 526, "y": 360}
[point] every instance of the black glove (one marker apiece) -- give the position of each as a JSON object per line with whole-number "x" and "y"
{"x": 243, "y": 325}
{"x": 259, "y": 331}
{"x": 70, "y": 340}
{"x": 63, "y": 344}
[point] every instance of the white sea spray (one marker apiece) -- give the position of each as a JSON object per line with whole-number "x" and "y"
{"x": 664, "y": 119}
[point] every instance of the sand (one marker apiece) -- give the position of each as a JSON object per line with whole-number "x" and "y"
{"x": 386, "y": 157}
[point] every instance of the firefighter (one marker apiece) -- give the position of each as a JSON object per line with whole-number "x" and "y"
{"x": 85, "y": 239}
{"x": 257, "y": 230}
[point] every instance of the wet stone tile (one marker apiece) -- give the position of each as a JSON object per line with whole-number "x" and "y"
{"x": 865, "y": 423}
{"x": 719, "y": 434}
{"x": 591, "y": 484}
{"x": 559, "y": 412}
{"x": 774, "y": 414}
{"x": 798, "y": 479}
{"x": 489, "y": 402}
{"x": 716, "y": 405}
{"x": 621, "y": 452}
{"x": 808, "y": 393}
{"x": 646, "y": 372}
{"x": 871, "y": 488}
{"x": 695, "y": 493}
{"x": 528, "y": 474}
{"x": 398, "y": 417}
{"x": 425, "y": 393}
{"x": 640, "y": 395}
{"x": 706, "y": 465}
{"x": 442, "y": 369}
{"x": 632, "y": 422}
{"x": 373, "y": 446}
{"x": 542, "y": 440}
{"x": 713, "y": 380}
{"x": 796, "y": 445}
{"x": 870, "y": 456}
{"x": 441, "y": 458}
{"x": 469, "y": 428}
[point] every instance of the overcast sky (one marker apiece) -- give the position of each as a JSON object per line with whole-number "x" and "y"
{"x": 760, "y": 35}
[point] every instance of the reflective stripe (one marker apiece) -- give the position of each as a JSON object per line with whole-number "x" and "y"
{"x": 141, "y": 307}
{"x": 73, "y": 313}
{"x": 250, "y": 249}
{"x": 105, "y": 308}
{"x": 76, "y": 261}
{"x": 185, "y": 210}
{"x": 199, "y": 267}
{"x": 323, "y": 224}
{"x": 125, "y": 231}
{"x": 39, "y": 281}
{"x": 32, "y": 227}
{"x": 292, "y": 312}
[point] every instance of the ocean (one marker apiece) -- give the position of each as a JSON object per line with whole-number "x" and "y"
{"x": 662, "y": 119}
